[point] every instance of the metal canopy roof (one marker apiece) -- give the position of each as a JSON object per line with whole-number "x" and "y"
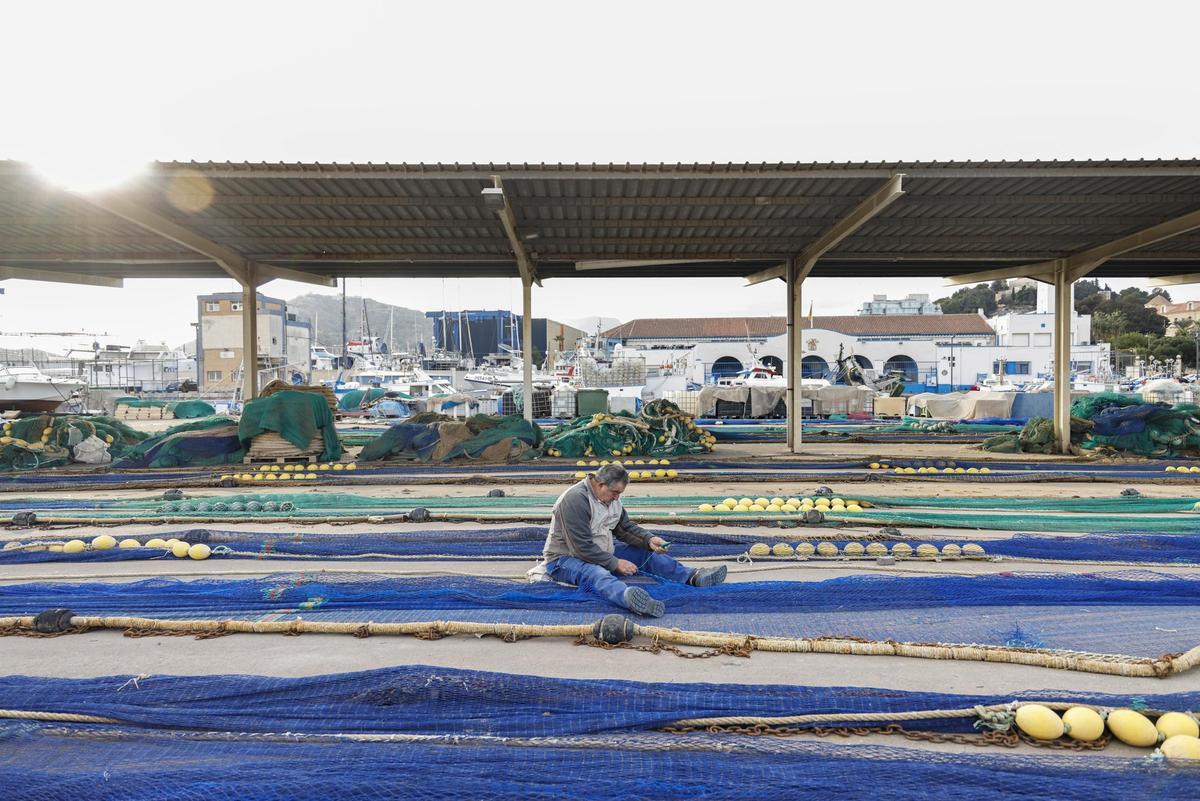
{"x": 693, "y": 220}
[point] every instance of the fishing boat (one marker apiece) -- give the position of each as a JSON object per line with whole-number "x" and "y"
{"x": 28, "y": 389}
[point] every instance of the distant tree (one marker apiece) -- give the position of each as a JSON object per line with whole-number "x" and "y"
{"x": 968, "y": 300}
{"x": 1135, "y": 341}
{"x": 999, "y": 286}
{"x": 1107, "y": 326}
{"x": 1023, "y": 298}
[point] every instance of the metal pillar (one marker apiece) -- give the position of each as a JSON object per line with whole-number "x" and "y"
{"x": 795, "y": 373}
{"x": 527, "y": 345}
{"x": 1063, "y": 307}
{"x": 249, "y": 340}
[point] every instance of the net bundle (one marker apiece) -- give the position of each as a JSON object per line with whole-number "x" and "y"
{"x": 660, "y": 429}
{"x": 432, "y": 437}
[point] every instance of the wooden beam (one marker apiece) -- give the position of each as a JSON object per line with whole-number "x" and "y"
{"x": 26, "y": 274}
{"x": 233, "y": 263}
{"x": 524, "y": 263}
{"x": 1040, "y": 272}
{"x": 870, "y": 206}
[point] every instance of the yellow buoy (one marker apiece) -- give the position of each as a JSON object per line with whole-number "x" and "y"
{"x": 74, "y": 546}
{"x": 156, "y": 543}
{"x": 947, "y": 469}
{"x": 927, "y": 550}
{"x": 354, "y": 465}
{"x": 853, "y": 507}
{"x": 55, "y": 548}
{"x": 1132, "y": 728}
{"x": 827, "y": 549}
{"x": 789, "y": 507}
{"x": 972, "y": 469}
{"x": 1194, "y": 470}
{"x": 593, "y": 463}
{"x": 774, "y": 508}
{"x": 763, "y": 502}
{"x": 705, "y": 507}
{"x": 778, "y": 501}
{"x": 757, "y": 507}
{"x": 199, "y": 551}
{"x": 782, "y": 549}
{"x": 324, "y": 466}
{"x": 1039, "y": 722}
{"x": 664, "y": 462}
{"x": 672, "y": 473}
{"x": 129, "y": 543}
{"x": 646, "y": 474}
{"x": 972, "y": 550}
{"x": 180, "y": 549}
{"x": 985, "y": 470}
{"x": 581, "y": 463}
{"x": 581, "y": 474}
{"x": 874, "y": 465}
{"x": 270, "y": 477}
{"x": 902, "y": 550}
{"x": 741, "y": 507}
{"x": 311, "y": 466}
{"x": 289, "y": 468}
{"x": 730, "y": 502}
{"x": 653, "y": 461}
{"x": 876, "y": 549}
{"x": 259, "y": 476}
{"x": 854, "y": 549}
{"x": 1082, "y": 723}
{"x": 745, "y": 501}
{"x": 660, "y": 473}
{"x": 273, "y": 468}
{"x": 805, "y": 549}
{"x": 951, "y": 551}
{"x": 760, "y": 549}
{"x": 960, "y": 470}
{"x": 1174, "y": 723}
{"x": 604, "y": 462}
{"x": 310, "y": 476}
{"x": 339, "y": 466}
{"x": 1181, "y": 746}
{"x": 285, "y": 476}
{"x": 640, "y": 461}
{"x": 103, "y": 542}
{"x": 1171, "y": 468}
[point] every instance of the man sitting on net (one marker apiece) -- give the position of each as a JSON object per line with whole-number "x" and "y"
{"x": 580, "y": 549}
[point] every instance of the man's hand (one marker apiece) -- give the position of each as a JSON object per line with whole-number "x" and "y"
{"x": 625, "y": 567}
{"x": 657, "y": 544}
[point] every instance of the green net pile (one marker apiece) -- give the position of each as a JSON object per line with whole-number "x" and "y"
{"x": 1128, "y": 424}
{"x": 199, "y": 443}
{"x": 432, "y": 437}
{"x": 1036, "y": 437}
{"x": 298, "y": 417}
{"x": 353, "y": 399}
{"x": 50, "y": 440}
{"x": 183, "y": 410}
{"x": 660, "y": 429}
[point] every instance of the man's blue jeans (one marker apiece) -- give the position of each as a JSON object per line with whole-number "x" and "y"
{"x": 596, "y": 579}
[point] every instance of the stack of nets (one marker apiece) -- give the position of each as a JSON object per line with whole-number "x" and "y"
{"x": 279, "y": 385}
{"x": 1125, "y": 423}
{"x": 430, "y": 437}
{"x": 200, "y": 443}
{"x": 139, "y": 409}
{"x": 1036, "y": 437}
{"x": 51, "y": 441}
{"x": 358, "y": 399}
{"x": 303, "y": 420}
{"x": 660, "y": 429}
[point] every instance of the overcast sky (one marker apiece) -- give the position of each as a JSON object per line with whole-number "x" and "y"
{"x": 123, "y": 83}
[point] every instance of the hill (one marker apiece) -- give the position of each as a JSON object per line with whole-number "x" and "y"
{"x": 409, "y": 326}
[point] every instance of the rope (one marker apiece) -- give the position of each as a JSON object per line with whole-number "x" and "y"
{"x": 1108, "y": 664}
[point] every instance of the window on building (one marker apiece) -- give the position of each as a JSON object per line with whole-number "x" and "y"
{"x": 1042, "y": 340}
{"x": 1020, "y": 340}
{"x": 1017, "y": 368}
{"x": 235, "y": 305}
{"x": 212, "y": 306}
{"x": 213, "y": 375}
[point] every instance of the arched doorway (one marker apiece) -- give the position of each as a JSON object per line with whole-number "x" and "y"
{"x": 864, "y": 362}
{"x": 902, "y": 364}
{"x": 814, "y": 367}
{"x": 726, "y": 366}
{"x": 773, "y": 362}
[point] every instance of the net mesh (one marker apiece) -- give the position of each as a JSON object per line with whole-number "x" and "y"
{"x": 431, "y": 437}
{"x": 488, "y": 735}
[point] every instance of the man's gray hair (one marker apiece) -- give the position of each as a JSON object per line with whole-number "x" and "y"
{"x": 610, "y": 475}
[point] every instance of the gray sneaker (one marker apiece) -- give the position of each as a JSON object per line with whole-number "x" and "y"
{"x": 638, "y": 600}
{"x": 708, "y": 576}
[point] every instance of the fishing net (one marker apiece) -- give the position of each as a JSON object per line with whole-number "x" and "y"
{"x": 209, "y": 441}
{"x": 524, "y": 543}
{"x": 52, "y": 441}
{"x": 431, "y": 437}
{"x": 1125, "y": 423}
{"x": 298, "y": 417}
{"x": 192, "y": 409}
{"x": 660, "y": 429}
{"x": 355, "y": 399}
{"x": 429, "y": 732}
{"x": 1036, "y": 437}
{"x": 1136, "y": 614}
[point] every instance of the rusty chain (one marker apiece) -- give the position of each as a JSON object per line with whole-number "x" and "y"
{"x": 743, "y": 649}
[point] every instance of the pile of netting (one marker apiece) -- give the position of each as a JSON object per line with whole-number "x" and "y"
{"x": 205, "y": 442}
{"x": 1126, "y": 424}
{"x": 432, "y": 437}
{"x": 356, "y": 399}
{"x": 180, "y": 410}
{"x": 429, "y": 732}
{"x": 56, "y": 440}
{"x": 1036, "y": 437}
{"x": 301, "y": 418}
{"x": 660, "y": 429}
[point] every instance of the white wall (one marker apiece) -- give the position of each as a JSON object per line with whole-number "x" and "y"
{"x": 224, "y": 331}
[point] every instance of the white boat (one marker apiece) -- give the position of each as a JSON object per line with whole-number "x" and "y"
{"x": 412, "y": 382}
{"x": 28, "y": 389}
{"x": 755, "y": 377}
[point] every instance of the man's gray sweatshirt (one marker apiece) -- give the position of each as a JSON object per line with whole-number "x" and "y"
{"x": 583, "y": 527}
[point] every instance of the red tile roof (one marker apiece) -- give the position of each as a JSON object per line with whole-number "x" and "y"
{"x": 757, "y": 327}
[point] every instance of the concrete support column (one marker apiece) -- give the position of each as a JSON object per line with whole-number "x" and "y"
{"x": 1063, "y": 308}
{"x": 249, "y": 339}
{"x": 795, "y": 380}
{"x": 527, "y": 344}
